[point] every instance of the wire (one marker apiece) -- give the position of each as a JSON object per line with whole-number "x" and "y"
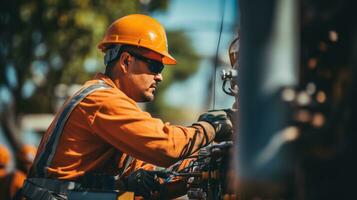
{"x": 194, "y": 164}
{"x": 223, "y": 4}
{"x": 191, "y": 157}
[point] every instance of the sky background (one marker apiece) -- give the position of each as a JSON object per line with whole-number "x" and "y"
{"x": 201, "y": 20}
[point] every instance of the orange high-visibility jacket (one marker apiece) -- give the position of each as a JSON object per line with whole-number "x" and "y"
{"x": 106, "y": 127}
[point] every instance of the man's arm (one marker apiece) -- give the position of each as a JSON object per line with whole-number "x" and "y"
{"x": 120, "y": 122}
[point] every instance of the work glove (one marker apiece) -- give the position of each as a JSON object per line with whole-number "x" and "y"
{"x": 144, "y": 183}
{"x": 221, "y": 122}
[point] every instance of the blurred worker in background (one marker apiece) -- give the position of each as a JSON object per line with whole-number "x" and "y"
{"x": 11, "y": 180}
{"x": 101, "y": 140}
{"x": 27, "y": 156}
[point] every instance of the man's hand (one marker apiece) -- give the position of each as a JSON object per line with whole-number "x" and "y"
{"x": 144, "y": 183}
{"x": 221, "y": 122}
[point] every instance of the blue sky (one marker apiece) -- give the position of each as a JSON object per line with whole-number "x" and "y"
{"x": 201, "y": 20}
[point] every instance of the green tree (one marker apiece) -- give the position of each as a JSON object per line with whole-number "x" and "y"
{"x": 47, "y": 42}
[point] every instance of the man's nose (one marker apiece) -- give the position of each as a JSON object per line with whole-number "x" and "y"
{"x": 158, "y": 77}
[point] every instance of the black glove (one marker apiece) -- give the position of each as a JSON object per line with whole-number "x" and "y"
{"x": 221, "y": 122}
{"x": 144, "y": 183}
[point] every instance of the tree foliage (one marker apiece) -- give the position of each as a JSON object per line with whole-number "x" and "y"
{"x": 50, "y": 41}
{"x": 46, "y": 42}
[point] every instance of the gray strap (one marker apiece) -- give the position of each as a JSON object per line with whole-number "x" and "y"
{"x": 111, "y": 54}
{"x": 47, "y": 154}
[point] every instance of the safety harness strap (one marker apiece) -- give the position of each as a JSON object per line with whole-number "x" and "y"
{"x": 47, "y": 154}
{"x": 44, "y": 188}
{"x": 111, "y": 54}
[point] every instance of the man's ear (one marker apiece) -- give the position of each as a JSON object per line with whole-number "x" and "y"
{"x": 124, "y": 61}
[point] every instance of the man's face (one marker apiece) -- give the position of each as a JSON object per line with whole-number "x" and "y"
{"x": 141, "y": 83}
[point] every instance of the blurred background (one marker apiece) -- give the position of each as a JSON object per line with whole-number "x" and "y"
{"x": 297, "y": 80}
{"x": 48, "y": 49}
{"x": 297, "y": 128}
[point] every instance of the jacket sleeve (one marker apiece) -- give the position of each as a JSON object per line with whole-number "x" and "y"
{"x": 119, "y": 121}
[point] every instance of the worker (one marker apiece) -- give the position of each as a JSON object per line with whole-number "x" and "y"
{"x": 11, "y": 180}
{"x": 27, "y": 155}
{"x": 101, "y": 137}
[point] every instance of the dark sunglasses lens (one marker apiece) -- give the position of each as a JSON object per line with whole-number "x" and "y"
{"x": 156, "y": 68}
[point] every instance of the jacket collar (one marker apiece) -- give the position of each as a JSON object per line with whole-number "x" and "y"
{"x": 106, "y": 79}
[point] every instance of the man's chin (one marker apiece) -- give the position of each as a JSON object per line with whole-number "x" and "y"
{"x": 148, "y": 98}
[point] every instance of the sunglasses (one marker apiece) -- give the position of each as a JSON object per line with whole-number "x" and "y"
{"x": 155, "y": 67}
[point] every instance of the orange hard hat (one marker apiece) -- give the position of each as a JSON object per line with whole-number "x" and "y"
{"x": 4, "y": 160}
{"x": 29, "y": 151}
{"x": 140, "y": 31}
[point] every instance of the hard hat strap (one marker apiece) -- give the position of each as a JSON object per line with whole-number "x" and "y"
{"x": 111, "y": 54}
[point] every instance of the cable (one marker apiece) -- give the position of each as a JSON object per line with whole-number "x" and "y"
{"x": 223, "y": 4}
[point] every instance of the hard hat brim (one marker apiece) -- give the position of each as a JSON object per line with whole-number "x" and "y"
{"x": 168, "y": 59}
